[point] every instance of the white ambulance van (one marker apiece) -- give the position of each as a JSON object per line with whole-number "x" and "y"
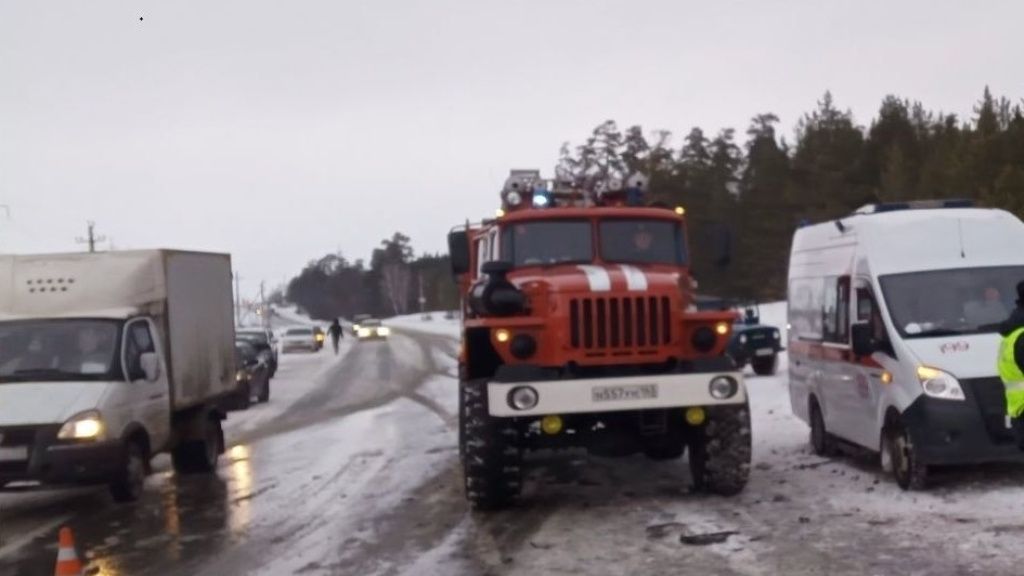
{"x": 893, "y": 339}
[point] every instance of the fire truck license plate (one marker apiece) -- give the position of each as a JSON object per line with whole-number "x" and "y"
{"x": 632, "y": 392}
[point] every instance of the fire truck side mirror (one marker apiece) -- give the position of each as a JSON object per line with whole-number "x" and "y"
{"x": 458, "y": 251}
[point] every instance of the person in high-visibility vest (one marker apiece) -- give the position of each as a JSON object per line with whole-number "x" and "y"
{"x": 1011, "y": 365}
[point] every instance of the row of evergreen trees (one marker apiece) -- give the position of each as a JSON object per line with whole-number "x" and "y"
{"x": 745, "y": 199}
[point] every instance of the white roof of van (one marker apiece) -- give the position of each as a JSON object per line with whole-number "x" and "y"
{"x": 916, "y": 240}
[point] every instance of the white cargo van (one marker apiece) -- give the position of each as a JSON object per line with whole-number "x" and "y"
{"x": 893, "y": 336}
{"x": 108, "y": 359}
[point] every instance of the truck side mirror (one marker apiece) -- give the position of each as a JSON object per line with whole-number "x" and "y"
{"x": 150, "y": 364}
{"x": 863, "y": 339}
{"x": 458, "y": 251}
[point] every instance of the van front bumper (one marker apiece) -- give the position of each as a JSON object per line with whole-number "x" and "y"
{"x": 53, "y": 462}
{"x": 971, "y": 431}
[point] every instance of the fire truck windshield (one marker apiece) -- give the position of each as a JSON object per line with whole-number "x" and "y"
{"x": 642, "y": 242}
{"x": 547, "y": 242}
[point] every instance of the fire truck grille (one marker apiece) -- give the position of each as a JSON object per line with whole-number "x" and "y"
{"x": 619, "y": 323}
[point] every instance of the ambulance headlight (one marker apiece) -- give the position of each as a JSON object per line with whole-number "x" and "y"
{"x": 939, "y": 384}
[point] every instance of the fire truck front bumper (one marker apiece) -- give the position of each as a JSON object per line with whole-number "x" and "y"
{"x": 516, "y": 395}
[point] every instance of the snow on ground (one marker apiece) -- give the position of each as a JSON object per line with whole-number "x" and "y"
{"x": 437, "y": 325}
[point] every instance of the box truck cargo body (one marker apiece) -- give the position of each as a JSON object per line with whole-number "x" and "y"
{"x": 108, "y": 359}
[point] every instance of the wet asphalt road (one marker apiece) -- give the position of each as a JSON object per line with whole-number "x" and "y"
{"x": 357, "y": 473}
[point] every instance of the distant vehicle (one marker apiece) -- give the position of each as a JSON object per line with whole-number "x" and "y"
{"x": 265, "y": 343}
{"x": 356, "y": 320}
{"x": 893, "y": 336}
{"x": 299, "y": 338}
{"x": 109, "y": 359}
{"x": 320, "y": 336}
{"x": 252, "y": 375}
{"x": 751, "y": 342}
{"x": 372, "y": 329}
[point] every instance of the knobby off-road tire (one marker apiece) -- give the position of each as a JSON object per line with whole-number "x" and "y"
{"x": 491, "y": 455}
{"x": 720, "y": 456}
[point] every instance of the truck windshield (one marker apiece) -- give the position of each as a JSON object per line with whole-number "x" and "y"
{"x": 58, "y": 350}
{"x": 642, "y": 242}
{"x": 547, "y": 242}
{"x": 951, "y": 302}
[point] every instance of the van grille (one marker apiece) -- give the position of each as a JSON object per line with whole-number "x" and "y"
{"x": 610, "y": 323}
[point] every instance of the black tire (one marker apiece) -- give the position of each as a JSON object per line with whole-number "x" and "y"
{"x": 130, "y": 481}
{"x": 720, "y": 454}
{"x": 823, "y": 443}
{"x": 200, "y": 456}
{"x": 264, "y": 395}
{"x": 765, "y": 366}
{"x": 908, "y": 470}
{"x": 491, "y": 455}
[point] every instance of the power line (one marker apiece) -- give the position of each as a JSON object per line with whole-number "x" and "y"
{"x": 92, "y": 238}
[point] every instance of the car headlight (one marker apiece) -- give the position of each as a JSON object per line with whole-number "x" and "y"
{"x": 939, "y": 384}
{"x": 85, "y": 426}
{"x": 240, "y": 376}
{"x": 743, "y": 338}
{"x": 365, "y": 333}
{"x": 776, "y": 335}
{"x": 383, "y": 331}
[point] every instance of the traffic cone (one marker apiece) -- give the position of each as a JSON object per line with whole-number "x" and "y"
{"x": 68, "y": 563}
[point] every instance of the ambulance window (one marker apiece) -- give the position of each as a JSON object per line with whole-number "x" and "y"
{"x": 806, "y": 305}
{"x": 837, "y": 310}
{"x": 868, "y": 311}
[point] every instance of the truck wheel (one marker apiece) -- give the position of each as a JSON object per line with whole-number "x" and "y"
{"x": 128, "y": 485}
{"x": 200, "y": 456}
{"x": 899, "y": 454}
{"x": 720, "y": 457}
{"x": 492, "y": 458}
{"x": 823, "y": 443}
{"x": 765, "y": 366}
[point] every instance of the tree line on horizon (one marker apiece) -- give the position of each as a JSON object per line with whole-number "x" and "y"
{"x": 743, "y": 199}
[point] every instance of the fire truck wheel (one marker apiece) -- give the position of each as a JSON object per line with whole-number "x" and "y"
{"x": 766, "y": 366}
{"x": 720, "y": 457}
{"x": 491, "y": 455}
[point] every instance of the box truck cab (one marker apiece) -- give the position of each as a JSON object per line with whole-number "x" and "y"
{"x": 893, "y": 338}
{"x": 108, "y": 359}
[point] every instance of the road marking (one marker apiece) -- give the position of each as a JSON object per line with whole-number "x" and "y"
{"x": 597, "y": 277}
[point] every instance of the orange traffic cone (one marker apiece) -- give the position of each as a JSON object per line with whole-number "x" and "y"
{"x": 68, "y": 563}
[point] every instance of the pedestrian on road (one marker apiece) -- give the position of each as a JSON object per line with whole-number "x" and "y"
{"x": 1011, "y": 365}
{"x": 336, "y": 334}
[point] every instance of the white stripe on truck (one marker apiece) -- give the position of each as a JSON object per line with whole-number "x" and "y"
{"x": 597, "y": 277}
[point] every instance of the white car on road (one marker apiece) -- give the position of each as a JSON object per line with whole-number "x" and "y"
{"x": 299, "y": 338}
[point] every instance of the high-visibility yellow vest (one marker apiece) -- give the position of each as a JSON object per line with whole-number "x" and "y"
{"x": 1011, "y": 374}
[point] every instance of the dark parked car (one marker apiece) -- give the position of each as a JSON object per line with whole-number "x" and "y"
{"x": 264, "y": 343}
{"x": 252, "y": 376}
{"x": 752, "y": 342}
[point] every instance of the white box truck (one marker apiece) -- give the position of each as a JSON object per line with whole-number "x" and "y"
{"x": 109, "y": 359}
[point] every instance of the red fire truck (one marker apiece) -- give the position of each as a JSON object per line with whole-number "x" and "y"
{"x": 579, "y": 330}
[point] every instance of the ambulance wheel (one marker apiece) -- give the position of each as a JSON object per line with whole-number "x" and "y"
{"x": 823, "y": 443}
{"x": 900, "y": 455}
{"x": 491, "y": 455}
{"x": 720, "y": 453}
{"x": 766, "y": 366}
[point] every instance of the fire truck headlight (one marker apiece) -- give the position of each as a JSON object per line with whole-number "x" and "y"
{"x": 703, "y": 339}
{"x": 723, "y": 387}
{"x": 523, "y": 346}
{"x": 541, "y": 199}
{"x": 513, "y": 199}
{"x": 523, "y": 398}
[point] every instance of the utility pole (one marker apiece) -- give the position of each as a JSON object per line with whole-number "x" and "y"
{"x": 264, "y": 314}
{"x": 238, "y": 299}
{"x": 91, "y": 239}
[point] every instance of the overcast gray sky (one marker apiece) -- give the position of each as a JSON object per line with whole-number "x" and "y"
{"x": 279, "y": 131}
